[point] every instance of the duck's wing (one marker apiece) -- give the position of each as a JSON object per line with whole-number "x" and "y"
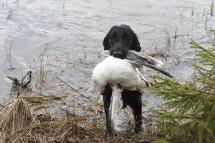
{"x": 146, "y": 60}
{"x": 142, "y": 58}
{"x": 159, "y": 69}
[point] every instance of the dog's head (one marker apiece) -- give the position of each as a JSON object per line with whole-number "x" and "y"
{"x": 119, "y": 40}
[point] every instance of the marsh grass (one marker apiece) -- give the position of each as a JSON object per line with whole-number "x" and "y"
{"x": 9, "y": 55}
{"x": 19, "y": 123}
{"x": 14, "y": 116}
{"x": 206, "y": 21}
{"x": 41, "y": 73}
{"x": 168, "y": 39}
{"x": 159, "y": 53}
{"x": 166, "y": 52}
{"x": 212, "y": 8}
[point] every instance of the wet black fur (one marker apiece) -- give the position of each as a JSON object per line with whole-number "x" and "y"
{"x": 119, "y": 40}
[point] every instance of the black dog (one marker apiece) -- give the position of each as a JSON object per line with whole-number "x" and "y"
{"x": 119, "y": 40}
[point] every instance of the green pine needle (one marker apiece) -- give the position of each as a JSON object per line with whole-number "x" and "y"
{"x": 188, "y": 114}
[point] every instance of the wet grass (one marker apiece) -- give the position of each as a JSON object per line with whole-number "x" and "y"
{"x": 41, "y": 73}
{"x": 159, "y": 53}
{"x": 9, "y": 56}
{"x": 73, "y": 89}
{"x": 212, "y": 8}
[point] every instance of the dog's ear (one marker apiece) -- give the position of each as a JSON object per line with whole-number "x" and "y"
{"x": 106, "y": 41}
{"x": 135, "y": 43}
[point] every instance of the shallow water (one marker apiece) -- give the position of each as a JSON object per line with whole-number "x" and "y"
{"x": 72, "y": 32}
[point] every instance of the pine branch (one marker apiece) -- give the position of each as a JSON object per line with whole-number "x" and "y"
{"x": 188, "y": 115}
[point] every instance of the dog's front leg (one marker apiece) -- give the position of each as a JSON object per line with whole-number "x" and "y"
{"x": 107, "y": 99}
{"x": 137, "y": 111}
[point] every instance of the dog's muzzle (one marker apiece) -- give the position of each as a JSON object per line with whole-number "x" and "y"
{"x": 118, "y": 55}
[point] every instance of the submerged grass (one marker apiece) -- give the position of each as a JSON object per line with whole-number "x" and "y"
{"x": 41, "y": 72}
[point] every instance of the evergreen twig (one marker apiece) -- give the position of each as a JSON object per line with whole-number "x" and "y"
{"x": 188, "y": 115}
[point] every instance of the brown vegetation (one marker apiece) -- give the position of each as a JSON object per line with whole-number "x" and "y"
{"x": 20, "y": 124}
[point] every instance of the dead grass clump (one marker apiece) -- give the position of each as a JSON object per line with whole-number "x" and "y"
{"x": 43, "y": 99}
{"x": 58, "y": 131}
{"x": 64, "y": 131}
{"x": 70, "y": 132}
{"x": 15, "y": 116}
{"x": 18, "y": 124}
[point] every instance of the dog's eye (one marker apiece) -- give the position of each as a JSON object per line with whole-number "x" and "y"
{"x": 114, "y": 35}
{"x": 125, "y": 37}
{"x": 112, "y": 41}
